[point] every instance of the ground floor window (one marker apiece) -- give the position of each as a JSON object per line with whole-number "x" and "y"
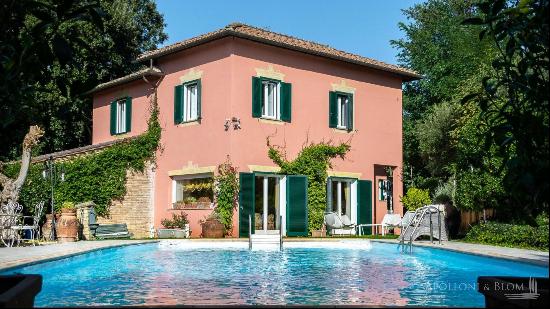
{"x": 193, "y": 191}
{"x": 340, "y": 197}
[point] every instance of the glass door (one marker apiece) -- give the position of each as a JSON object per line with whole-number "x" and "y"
{"x": 267, "y": 206}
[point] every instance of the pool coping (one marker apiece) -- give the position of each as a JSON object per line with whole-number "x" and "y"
{"x": 47, "y": 258}
{"x": 473, "y": 249}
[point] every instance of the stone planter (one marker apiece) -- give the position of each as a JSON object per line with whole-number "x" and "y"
{"x": 212, "y": 228}
{"x": 67, "y": 226}
{"x": 174, "y": 233}
{"x": 318, "y": 233}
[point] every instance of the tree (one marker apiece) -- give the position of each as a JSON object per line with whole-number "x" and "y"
{"x": 514, "y": 98}
{"x": 68, "y": 47}
{"x": 12, "y": 187}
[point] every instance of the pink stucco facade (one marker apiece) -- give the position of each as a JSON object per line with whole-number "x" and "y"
{"x": 227, "y": 66}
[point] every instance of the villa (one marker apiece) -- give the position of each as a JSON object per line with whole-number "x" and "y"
{"x": 223, "y": 94}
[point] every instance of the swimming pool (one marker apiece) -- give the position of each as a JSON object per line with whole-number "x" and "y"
{"x": 352, "y": 272}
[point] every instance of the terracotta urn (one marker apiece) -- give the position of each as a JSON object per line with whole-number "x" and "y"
{"x": 212, "y": 228}
{"x": 67, "y": 226}
{"x": 47, "y": 226}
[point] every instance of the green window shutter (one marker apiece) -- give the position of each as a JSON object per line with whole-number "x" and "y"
{"x": 332, "y": 110}
{"x": 113, "y": 117}
{"x": 350, "y": 112}
{"x": 128, "y": 114}
{"x": 296, "y": 205}
{"x": 247, "y": 194}
{"x": 329, "y": 195}
{"x": 256, "y": 97}
{"x": 199, "y": 99}
{"x": 364, "y": 204}
{"x": 286, "y": 101}
{"x": 178, "y": 104}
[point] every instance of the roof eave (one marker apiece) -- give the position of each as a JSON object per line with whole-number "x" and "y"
{"x": 122, "y": 80}
{"x": 406, "y": 76}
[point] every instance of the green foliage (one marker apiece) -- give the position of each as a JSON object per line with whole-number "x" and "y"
{"x": 227, "y": 193}
{"x": 514, "y": 97}
{"x": 67, "y": 205}
{"x": 178, "y": 221}
{"x": 99, "y": 177}
{"x": 416, "y": 198}
{"x": 445, "y": 193}
{"x": 510, "y": 235}
{"x": 313, "y": 162}
{"x": 55, "y": 50}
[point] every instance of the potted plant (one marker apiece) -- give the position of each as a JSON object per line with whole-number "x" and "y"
{"x": 67, "y": 226}
{"x": 177, "y": 227}
{"x": 212, "y": 227}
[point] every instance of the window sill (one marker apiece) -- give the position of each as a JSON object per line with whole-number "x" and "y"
{"x": 121, "y": 135}
{"x": 342, "y": 130}
{"x": 271, "y": 121}
{"x": 189, "y": 123}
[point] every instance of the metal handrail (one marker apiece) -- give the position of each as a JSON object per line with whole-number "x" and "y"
{"x": 249, "y": 232}
{"x": 429, "y": 208}
{"x": 281, "y": 232}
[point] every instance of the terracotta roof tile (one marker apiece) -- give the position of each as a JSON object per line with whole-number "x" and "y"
{"x": 147, "y": 71}
{"x": 282, "y": 40}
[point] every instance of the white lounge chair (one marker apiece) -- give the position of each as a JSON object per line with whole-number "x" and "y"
{"x": 335, "y": 222}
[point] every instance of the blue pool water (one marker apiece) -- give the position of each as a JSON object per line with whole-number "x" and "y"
{"x": 160, "y": 274}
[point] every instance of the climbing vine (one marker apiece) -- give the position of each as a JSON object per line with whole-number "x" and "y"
{"x": 227, "y": 193}
{"x": 99, "y": 177}
{"x": 313, "y": 161}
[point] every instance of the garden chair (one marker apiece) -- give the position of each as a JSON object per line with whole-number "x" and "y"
{"x": 334, "y": 222}
{"x": 9, "y": 217}
{"x": 34, "y": 228}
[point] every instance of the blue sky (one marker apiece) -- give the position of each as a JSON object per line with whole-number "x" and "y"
{"x": 363, "y": 27}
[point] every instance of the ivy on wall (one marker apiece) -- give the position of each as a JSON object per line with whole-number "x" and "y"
{"x": 313, "y": 161}
{"x": 227, "y": 193}
{"x": 99, "y": 177}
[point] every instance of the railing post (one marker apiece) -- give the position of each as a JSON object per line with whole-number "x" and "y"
{"x": 439, "y": 223}
{"x": 249, "y": 232}
{"x": 281, "y": 232}
{"x": 431, "y": 228}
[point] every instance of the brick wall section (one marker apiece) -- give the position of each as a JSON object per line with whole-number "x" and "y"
{"x": 136, "y": 208}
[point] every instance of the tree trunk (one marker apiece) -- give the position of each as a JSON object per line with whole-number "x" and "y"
{"x": 12, "y": 187}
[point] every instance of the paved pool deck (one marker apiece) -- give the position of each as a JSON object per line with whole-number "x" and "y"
{"x": 19, "y": 256}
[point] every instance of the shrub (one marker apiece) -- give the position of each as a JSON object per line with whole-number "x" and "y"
{"x": 509, "y": 235}
{"x": 178, "y": 221}
{"x": 68, "y": 205}
{"x": 444, "y": 193}
{"x": 227, "y": 193}
{"x": 416, "y": 198}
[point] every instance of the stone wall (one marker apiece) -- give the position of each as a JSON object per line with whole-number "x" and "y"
{"x": 137, "y": 206}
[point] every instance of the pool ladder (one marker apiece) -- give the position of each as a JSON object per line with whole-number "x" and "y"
{"x": 411, "y": 231}
{"x": 265, "y": 239}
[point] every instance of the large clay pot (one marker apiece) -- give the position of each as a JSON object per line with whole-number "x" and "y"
{"x": 212, "y": 228}
{"x": 47, "y": 226}
{"x": 67, "y": 226}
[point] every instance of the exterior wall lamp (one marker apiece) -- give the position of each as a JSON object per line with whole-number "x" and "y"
{"x": 236, "y": 122}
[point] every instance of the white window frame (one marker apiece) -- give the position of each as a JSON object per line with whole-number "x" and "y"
{"x": 342, "y": 111}
{"x": 121, "y": 110}
{"x": 175, "y": 180}
{"x": 382, "y": 185}
{"x": 276, "y": 114}
{"x": 190, "y": 102}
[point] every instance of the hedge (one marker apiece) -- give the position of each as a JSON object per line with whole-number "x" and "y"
{"x": 509, "y": 235}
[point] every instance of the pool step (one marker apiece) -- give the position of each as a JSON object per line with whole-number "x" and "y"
{"x": 265, "y": 241}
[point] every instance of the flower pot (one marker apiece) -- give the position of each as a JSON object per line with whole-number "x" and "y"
{"x": 67, "y": 226}
{"x": 318, "y": 233}
{"x": 212, "y": 228}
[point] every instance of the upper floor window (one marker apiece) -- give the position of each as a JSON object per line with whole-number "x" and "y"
{"x": 121, "y": 115}
{"x": 341, "y": 110}
{"x": 187, "y": 102}
{"x": 271, "y": 99}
